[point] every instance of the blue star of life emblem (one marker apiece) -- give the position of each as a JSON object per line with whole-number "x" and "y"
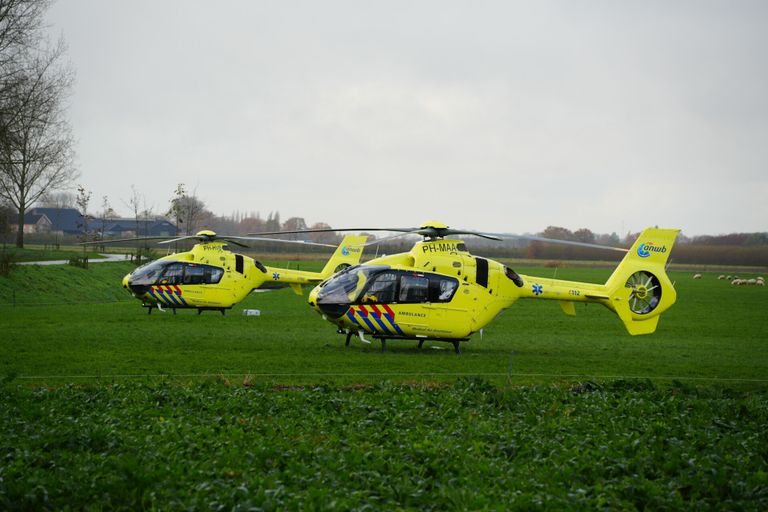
{"x": 275, "y": 276}
{"x": 538, "y": 289}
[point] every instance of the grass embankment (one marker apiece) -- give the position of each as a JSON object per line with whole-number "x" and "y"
{"x": 46, "y": 254}
{"x": 64, "y": 284}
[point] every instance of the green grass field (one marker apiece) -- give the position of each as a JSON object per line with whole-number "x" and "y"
{"x": 104, "y": 406}
{"x": 715, "y": 333}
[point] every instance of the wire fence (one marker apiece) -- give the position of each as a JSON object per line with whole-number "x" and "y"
{"x": 314, "y": 375}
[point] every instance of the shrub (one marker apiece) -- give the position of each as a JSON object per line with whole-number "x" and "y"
{"x": 7, "y": 261}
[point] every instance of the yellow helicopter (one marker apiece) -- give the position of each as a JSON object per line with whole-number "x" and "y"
{"x": 210, "y": 277}
{"x": 439, "y": 291}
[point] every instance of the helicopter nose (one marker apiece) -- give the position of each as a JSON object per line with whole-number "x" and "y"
{"x": 137, "y": 290}
{"x": 313, "y": 298}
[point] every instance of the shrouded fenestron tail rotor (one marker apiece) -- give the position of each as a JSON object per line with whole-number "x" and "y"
{"x": 646, "y": 292}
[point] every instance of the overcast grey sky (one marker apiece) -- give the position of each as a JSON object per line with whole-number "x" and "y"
{"x": 498, "y": 116}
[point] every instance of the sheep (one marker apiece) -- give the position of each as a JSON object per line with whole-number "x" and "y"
{"x": 697, "y": 276}
{"x": 721, "y": 277}
{"x": 748, "y": 282}
{"x": 730, "y": 278}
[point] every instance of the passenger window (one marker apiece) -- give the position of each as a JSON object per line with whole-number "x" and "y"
{"x": 441, "y": 289}
{"x": 198, "y": 274}
{"x": 194, "y": 274}
{"x": 446, "y": 290}
{"x": 213, "y": 275}
{"x": 414, "y": 288}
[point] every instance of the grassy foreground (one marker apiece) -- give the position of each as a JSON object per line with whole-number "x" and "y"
{"x": 469, "y": 446}
{"x": 105, "y": 407}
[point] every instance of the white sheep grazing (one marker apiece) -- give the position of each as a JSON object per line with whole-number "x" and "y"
{"x": 721, "y": 276}
{"x": 697, "y": 276}
{"x": 736, "y": 282}
{"x": 760, "y": 282}
{"x": 729, "y": 278}
{"x": 752, "y": 281}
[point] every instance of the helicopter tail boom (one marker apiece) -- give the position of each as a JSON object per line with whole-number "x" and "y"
{"x": 638, "y": 291}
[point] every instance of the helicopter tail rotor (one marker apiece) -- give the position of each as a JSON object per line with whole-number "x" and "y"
{"x": 639, "y": 288}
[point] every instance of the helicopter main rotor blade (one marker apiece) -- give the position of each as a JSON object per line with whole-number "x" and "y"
{"x": 560, "y": 242}
{"x": 440, "y": 232}
{"x": 388, "y": 238}
{"x": 179, "y": 239}
{"x": 117, "y": 240}
{"x": 279, "y": 240}
{"x": 330, "y": 230}
{"x": 234, "y": 242}
{"x": 489, "y": 236}
{"x": 423, "y": 231}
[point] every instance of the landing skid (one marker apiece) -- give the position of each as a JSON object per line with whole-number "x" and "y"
{"x": 151, "y": 307}
{"x": 383, "y": 339}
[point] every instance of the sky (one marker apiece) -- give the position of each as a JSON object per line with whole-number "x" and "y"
{"x": 500, "y": 116}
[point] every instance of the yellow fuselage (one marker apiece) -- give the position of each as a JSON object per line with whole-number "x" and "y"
{"x": 478, "y": 289}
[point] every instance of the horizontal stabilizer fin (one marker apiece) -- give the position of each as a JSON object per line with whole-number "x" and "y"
{"x": 569, "y": 308}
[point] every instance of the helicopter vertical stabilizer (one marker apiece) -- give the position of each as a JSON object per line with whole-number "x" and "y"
{"x": 348, "y": 253}
{"x": 639, "y": 289}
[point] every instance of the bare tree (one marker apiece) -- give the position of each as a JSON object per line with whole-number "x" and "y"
{"x": 134, "y": 203}
{"x": 7, "y": 217}
{"x": 21, "y": 23}
{"x": 106, "y": 213}
{"x": 83, "y": 198}
{"x": 57, "y": 200}
{"x": 294, "y": 224}
{"x": 36, "y": 144}
{"x": 187, "y": 210}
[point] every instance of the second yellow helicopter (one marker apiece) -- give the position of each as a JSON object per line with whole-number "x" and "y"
{"x": 211, "y": 277}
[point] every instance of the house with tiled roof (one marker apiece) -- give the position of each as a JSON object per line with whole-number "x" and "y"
{"x": 68, "y": 221}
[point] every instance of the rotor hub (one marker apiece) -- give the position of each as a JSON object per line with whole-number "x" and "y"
{"x": 640, "y": 291}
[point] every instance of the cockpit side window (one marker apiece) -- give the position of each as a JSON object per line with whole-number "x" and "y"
{"x": 149, "y": 273}
{"x": 173, "y": 274}
{"x": 382, "y": 290}
{"x": 406, "y": 287}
